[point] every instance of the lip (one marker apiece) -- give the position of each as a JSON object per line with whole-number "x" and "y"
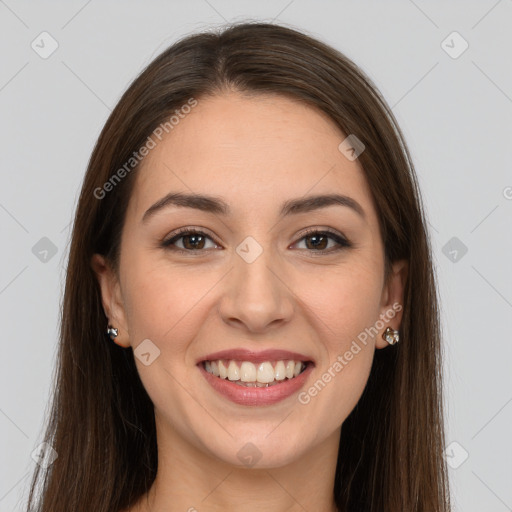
{"x": 243, "y": 354}
{"x": 256, "y": 396}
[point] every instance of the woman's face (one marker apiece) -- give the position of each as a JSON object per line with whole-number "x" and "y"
{"x": 254, "y": 279}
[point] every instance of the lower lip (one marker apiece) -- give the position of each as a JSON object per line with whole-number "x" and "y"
{"x": 256, "y": 396}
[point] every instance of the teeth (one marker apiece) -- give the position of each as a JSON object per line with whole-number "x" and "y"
{"x": 266, "y": 372}
{"x": 289, "y": 369}
{"x": 254, "y": 375}
{"x": 223, "y": 371}
{"x": 233, "y": 371}
{"x": 247, "y": 372}
{"x": 280, "y": 371}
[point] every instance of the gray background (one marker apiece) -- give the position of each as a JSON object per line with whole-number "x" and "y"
{"x": 456, "y": 114}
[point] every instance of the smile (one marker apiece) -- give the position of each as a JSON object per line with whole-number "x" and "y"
{"x": 250, "y": 384}
{"x": 263, "y": 374}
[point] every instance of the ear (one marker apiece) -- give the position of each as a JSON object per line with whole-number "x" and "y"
{"x": 111, "y": 298}
{"x": 392, "y": 300}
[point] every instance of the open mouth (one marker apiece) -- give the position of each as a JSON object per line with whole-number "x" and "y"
{"x": 257, "y": 375}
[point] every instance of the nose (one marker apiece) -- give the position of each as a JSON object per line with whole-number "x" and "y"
{"x": 256, "y": 297}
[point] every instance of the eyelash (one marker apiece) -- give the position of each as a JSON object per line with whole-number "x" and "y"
{"x": 342, "y": 242}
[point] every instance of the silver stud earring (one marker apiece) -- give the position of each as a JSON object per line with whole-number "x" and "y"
{"x": 112, "y": 331}
{"x": 391, "y": 336}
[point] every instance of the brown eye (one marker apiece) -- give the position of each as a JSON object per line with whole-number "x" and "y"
{"x": 318, "y": 241}
{"x": 191, "y": 241}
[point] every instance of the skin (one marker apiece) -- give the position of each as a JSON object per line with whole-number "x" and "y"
{"x": 255, "y": 152}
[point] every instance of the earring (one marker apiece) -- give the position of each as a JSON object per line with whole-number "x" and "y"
{"x": 112, "y": 331}
{"x": 391, "y": 336}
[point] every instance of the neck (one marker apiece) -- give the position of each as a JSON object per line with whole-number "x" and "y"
{"x": 192, "y": 480}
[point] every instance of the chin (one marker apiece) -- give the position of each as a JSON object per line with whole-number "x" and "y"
{"x": 261, "y": 450}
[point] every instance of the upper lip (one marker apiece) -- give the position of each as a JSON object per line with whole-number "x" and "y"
{"x": 243, "y": 354}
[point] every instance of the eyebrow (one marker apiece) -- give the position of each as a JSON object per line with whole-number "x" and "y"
{"x": 216, "y": 205}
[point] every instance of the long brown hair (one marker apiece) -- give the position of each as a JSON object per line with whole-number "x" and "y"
{"x": 102, "y": 421}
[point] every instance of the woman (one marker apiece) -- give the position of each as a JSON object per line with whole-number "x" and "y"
{"x": 250, "y": 318}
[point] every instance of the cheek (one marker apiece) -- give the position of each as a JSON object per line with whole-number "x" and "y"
{"x": 344, "y": 308}
{"x": 345, "y": 301}
{"x": 163, "y": 302}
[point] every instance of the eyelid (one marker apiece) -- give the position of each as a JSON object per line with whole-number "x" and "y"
{"x": 181, "y": 232}
{"x": 325, "y": 230}
{"x": 341, "y": 240}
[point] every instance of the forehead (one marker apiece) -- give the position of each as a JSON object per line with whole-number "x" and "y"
{"x": 251, "y": 150}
